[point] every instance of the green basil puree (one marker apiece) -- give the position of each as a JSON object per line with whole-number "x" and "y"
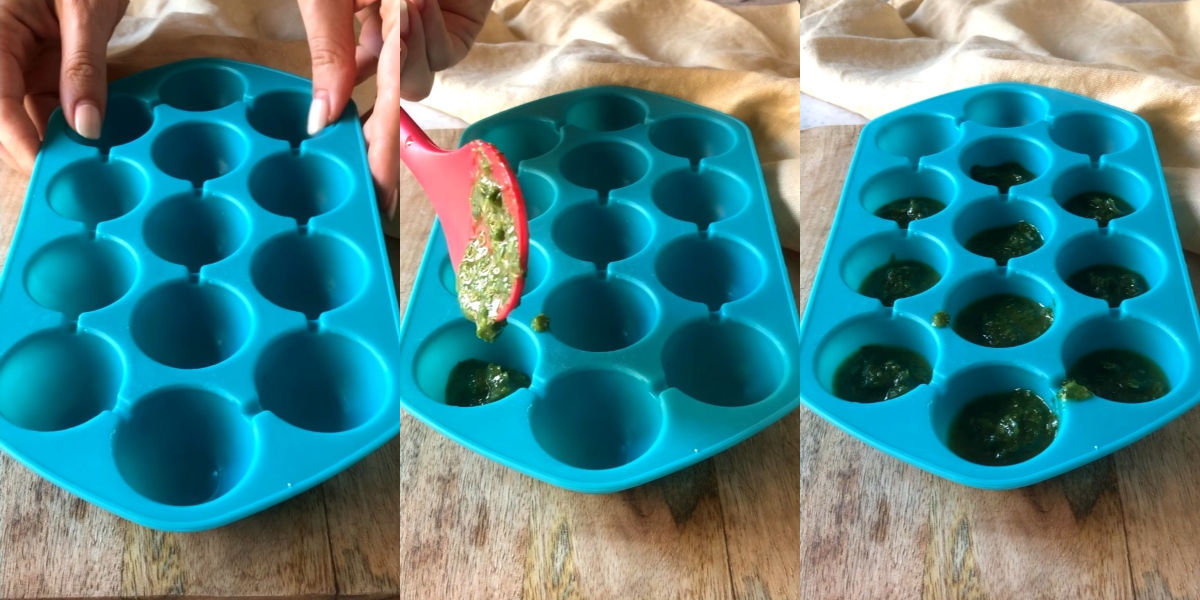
{"x": 475, "y": 383}
{"x": 1073, "y": 390}
{"x": 907, "y": 210}
{"x": 1008, "y": 241}
{"x": 877, "y": 373}
{"x": 1003, "y": 429}
{"x": 1109, "y": 282}
{"x": 1101, "y": 206}
{"x": 898, "y": 279}
{"x": 491, "y": 263}
{"x": 540, "y": 323}
{"x": 941, "y": 319}
{"x": 1003, "y": 175}
{"x": 1003, "y": 320}
{"x": 1120, "y": 375}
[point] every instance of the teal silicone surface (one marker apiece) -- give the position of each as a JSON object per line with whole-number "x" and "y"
{"x": 654, "y": 254}
{"x": 1072, "y": 144}
{"x": 197, "y": 307}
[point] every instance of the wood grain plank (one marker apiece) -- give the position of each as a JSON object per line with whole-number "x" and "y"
{"x": 362, "y": 505}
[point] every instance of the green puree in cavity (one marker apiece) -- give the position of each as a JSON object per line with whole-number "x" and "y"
{"x": 1008, "y": 241}
{"x": 1108, "y": 282}
{"x": 1003, "y": 175}
{"x": 475, "y": 383}
{"x": 1101, "y": 206}
{"x": 877, "y": 373}
{"x": 907, "y": 210}
{"x": 491, "y": 263}
{"x": 898, "y": 279}
{"x": 1003, "y": 429}
{"x": 1003, "y": 320}
{"x": 1120, "y": 375}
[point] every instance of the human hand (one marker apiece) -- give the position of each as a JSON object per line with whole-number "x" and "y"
{"x": 52, "y": 53}
{"x": 405, "y": 41}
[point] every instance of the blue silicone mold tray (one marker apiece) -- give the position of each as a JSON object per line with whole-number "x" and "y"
{"x": 1073, "y": 145}
{"x": 196, "y": 308}
{"x": 653, "y": 252}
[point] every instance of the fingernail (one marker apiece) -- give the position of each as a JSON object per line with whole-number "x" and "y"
{"x": 318, "y": 113}
{"x": 87, "y": 120}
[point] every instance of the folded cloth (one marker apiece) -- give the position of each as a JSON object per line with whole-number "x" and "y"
{"x": 873, "y": 57}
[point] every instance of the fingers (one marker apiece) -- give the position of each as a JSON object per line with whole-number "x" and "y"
{"x": 330, "y": 28}
{"x": 86, "y": 27}
{"x": 370, "y": 42}
{"x": 20, "y": 137}
{"x": 383, "y": 128}
{"x": 416, "y": 78}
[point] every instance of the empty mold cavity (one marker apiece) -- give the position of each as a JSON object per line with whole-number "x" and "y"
{"x": 281, "y": 115}
{"x": 202, "y": 88}
{"x": 1111, "y": 267}
{"x": 607, "y": 112}
{"x": 538, "y": 193}
{"x": 1101, "y": 194}
{"x": 189, "y": 326}
{"x": 125, "y": 119}
{"x": 914, "y": 136}
{"x": 892, "y": 265}
{"x": 604, "y": 166}
{"x": 709, "y": 270}
{"x": 197, "y": 152}
{"x": 995, "y": 161}
{"x": 702, "y": 198}
{"x": 183, "y": 446}
{"x": 300, "y": 187}
{"x": 723, "y": 363}
{"x": 521, "y": 139}
{"x": 875, "y": 330}
{"x": 693, "y": 138}
{"x": 599, "y": 315}
{"x": 993, "y": 228}
{"x": 514, "y": 349}
{"x": 92, "y": 190}
{"x": 596, "y": 419}
{"x": 78, "y": 274}
{"x": 195, "y": 230}
{"x": 1092, "y": 134}
{"x": 308, "y": 273}
{"x": 56, "y": 380}
{"x": 1005, "y": 108}
{"x": 1125, "y": 360}
{"x": 924, "y": 187}
{"x": 602, "y": 233}
{"x": 999, "y": 310}
{"x": 321, "y": 381}
{"x": 996, "y": 431}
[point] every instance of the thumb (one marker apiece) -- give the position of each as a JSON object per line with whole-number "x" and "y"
{"x": 83, "y": 78}
{"x": 329, "y": 25}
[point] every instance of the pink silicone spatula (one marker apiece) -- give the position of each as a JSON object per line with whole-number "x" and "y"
{"x": 447, "y": 177}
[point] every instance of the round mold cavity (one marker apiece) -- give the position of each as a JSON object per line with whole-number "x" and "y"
{"x": 538, "y": 192}
{"x": 202, "y": 88}
{"x": 975, "y": 382}
{"x": 604, "y": 165}
{"x": 702, "y": 198}
{"x": 310, "y": 273}
{"x": 125, "y": 119}
{"x": 197, "y": 152}
{"x": 1130, "y": 335}
{"x": 606, "y": 112}
{"x": 445, "y": 348}
{"x": 914, "y": 136}
{"x": 195, "y": 230}
{"x": 1005, "y": 108}
{"x": 300, "y": 187}
{"x": 1001, "y": 151}
{"x": 602, "y": 233}
{"x": 93, "y": 191}
{"x": 1092, "y": 134}
{"x": 1129, "y": 187}
{"x": 723, "y": 363}
{"x": 894, "y": 246}
{"x": 693, "y": 138}
{"x": 59, "y": 379}
{"x": 902, "y": 183}
{"x": 522, "y": 139}
{"x": 995, "y": 213}
{"x": 281, "y": 115}
{"x": 600, "y": 315}
{"x": 709, "y": 270}
{"x": 189, "y": 326}
{"x": 183, "y": 446}
{"x": 1124, "y": 251}
{"x": 78, "y": 274}
{"x": 996, "y": 283}
{"x": 321, "y": 381}
{"x": 873, "y": 330}
{"x": 596, "y": 419}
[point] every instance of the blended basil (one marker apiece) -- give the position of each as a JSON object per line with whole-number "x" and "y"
{"x": 1005, "y": 242}
{"x": 907, "y": 210}
{"x": 877, "y": 373}
{"x": 898, "y": 279}
{"x": 491, "y": 264}
{"x": 1101, "y": 206}
{"x": 940, "y": 319}
{"x": 1003, "y": 429}
{"x": 1003, "y": 320}
{"x": 1003, "y": 175}
{"x": 540, "y": 323}
{"x": 1120, "y": 375}
{"x": 475, "y": 382}
{"x": 1111, "y": 283}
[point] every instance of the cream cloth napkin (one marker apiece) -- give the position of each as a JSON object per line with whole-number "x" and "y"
{"x": 872, "y": 57}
